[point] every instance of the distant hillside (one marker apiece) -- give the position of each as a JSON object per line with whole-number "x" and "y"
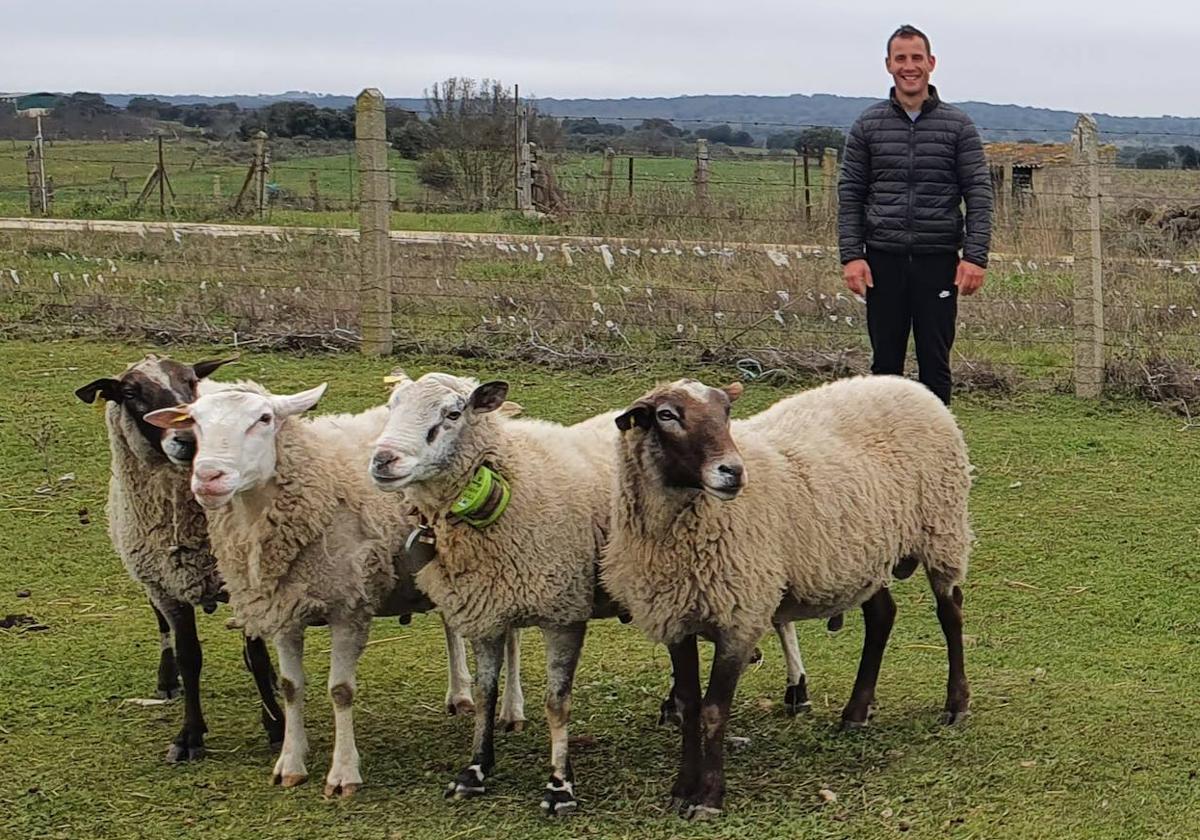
{"x": 763, "y": 115}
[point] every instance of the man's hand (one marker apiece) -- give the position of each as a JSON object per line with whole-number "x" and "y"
{"x": 969, "y": 278}
{"x": 857, "y": 275}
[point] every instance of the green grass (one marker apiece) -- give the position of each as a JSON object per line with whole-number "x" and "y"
{"x": 1082, "y": 651}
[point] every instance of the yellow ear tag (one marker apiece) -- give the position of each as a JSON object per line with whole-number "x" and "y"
{"x": 392, "y": 380}
{"x": 99, "y": 404}
{"x": 179, "y": 417}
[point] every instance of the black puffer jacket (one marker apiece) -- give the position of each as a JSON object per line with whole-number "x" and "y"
{"x": 902, "y": 183}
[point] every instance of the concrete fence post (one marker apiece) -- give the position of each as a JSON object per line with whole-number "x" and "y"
{"x": 701, "y": 174}
{"x": 524, "y": 163}
{"x": 1088, "y": 263}
{"x": 374, "y": 186}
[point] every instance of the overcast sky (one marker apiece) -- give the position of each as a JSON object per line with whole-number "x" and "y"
{"x": 1099, "y": 56}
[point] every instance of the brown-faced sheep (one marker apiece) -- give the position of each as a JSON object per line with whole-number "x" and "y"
{"x": 804, "y": 510}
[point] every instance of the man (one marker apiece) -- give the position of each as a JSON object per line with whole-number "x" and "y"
{"x": 909, "y": 163}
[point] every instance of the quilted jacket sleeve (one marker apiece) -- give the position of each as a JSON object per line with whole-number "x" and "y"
{"x": 975, "y": 184}
{"x": 852, "y": 195}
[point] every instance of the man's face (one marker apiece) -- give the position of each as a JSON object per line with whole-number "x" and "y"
{"x": 910, "y": 65}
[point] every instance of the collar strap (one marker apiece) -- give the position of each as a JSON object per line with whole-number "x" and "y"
{"x": 483, "y": 500}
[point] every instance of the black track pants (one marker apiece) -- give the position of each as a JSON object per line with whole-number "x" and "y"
{"x": 917, "y": 293}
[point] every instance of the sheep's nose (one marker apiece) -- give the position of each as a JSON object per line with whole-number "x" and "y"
{"x": 734, "y": 471}
{"x": 383, "y": 458}
{"x": 207, "y": 474}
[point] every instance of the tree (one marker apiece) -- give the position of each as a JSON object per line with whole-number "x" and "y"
{"x": 413, "y": 138}
{"x": 475, "y": 125}
{"x": 144, "y": 106}
{"x": 1189, "y": 157}
{"x": 821, "y": 137}
{"x": 783, "y": 140}
{"x": 661, "y": 126}
{"x": 716, "y": 134}
{"x": 1153, "y": 159}
{"x": 84, "y": 105}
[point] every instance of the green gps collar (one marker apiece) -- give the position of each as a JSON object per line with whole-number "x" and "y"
{"x": 483, "y": 500}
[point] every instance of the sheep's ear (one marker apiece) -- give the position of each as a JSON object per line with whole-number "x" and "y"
{"x": 489, "y": 396}
{"x": 204, "y": 369}
{"x": 640, "y": 415}
{"x": 510, "y": 409}
{"x": 171, "y": 418}
{"x": 396, "y": 377}
{"x": 734, "y": 390}
{"x": 287, "y": 405}
{"x": 109, "y": 389}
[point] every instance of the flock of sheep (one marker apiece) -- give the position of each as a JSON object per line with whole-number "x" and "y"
{"x": 667, "y": 514}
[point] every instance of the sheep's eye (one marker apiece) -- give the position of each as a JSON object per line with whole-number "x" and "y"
{"x": 266, "y": 418}
{"x": 454, "y": 415}
{"x": 666, "y": 416}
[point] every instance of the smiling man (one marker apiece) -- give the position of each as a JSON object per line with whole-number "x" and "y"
{"x": 909, "y": 164}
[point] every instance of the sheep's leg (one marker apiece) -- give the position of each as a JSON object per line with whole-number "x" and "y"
{"x": 458, "y": 694}
{"x": 949, "y": 613}
{"x": 795, "y": 699}
{"x": 258, "y": 662}
{"x": 189, "y": 743}
{"x": 685, "y": 669}
{"x": 563, "y": 646}
{"x": 879, "y": 612}
{"x": 168, "y": 673}
{"x": 512, "y": 706}
{"x": 489, "y": 655}
{"x": 348, "y": 642}
{"x": 289, "y": 769}
{"x": 728, "y": 663}
{"x": 668, "y": 709}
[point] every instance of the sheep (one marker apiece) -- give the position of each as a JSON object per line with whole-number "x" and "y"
{"x": 159, "y": 532}
{"x": 802, "y": 511}
{"x": 302, "y": 538}
{"x": 534, "y": 564}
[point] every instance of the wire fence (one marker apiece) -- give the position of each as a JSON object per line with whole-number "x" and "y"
{"x": 728, "y": 258}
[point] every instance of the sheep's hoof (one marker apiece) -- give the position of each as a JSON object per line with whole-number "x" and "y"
{"x": 795, "y": 699}
{"x": 461, "y": 706}
{"x": 345, "y": 790}
{"x": 169, "y": 692}
{"x": 668, "y": 714}
{"x": 756, "y": 656}
{"x": 514, "y": 726}
{"x": 952, "y": 717}
{"x": 468, "y": 785}
{"x": 853, "y": 725}
{"x": 289, "y": 780}
{"x": 186, "y": 747}
{"x": 835, "y": 623}
{"x": 559, "y": 799}
{"x": 700, "y": 813}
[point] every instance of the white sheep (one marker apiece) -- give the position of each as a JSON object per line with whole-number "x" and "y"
{"x": 159, "y": 532}
{"x": 804, "y": 510}
{"x": 302, "y": 537}
{"x": 523, "y": 554}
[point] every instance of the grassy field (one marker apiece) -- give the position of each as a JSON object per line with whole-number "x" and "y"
{"x": 1081, "y": 650}
{"x": 102, "y": 180}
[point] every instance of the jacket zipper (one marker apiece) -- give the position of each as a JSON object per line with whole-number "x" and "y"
{"x": 912, "y": 162}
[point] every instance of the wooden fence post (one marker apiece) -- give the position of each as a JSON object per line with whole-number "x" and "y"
{"x": 314, "y": 191}
{"x": 700, "y": 177}
{"x": 1088, "y": 265}
{"x": 829, "y": 179}
{"x": 374, "y": 221}
{"x": 260, "y": 156}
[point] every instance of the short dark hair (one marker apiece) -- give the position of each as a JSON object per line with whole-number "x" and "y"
{"x": 909, "y": 31}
